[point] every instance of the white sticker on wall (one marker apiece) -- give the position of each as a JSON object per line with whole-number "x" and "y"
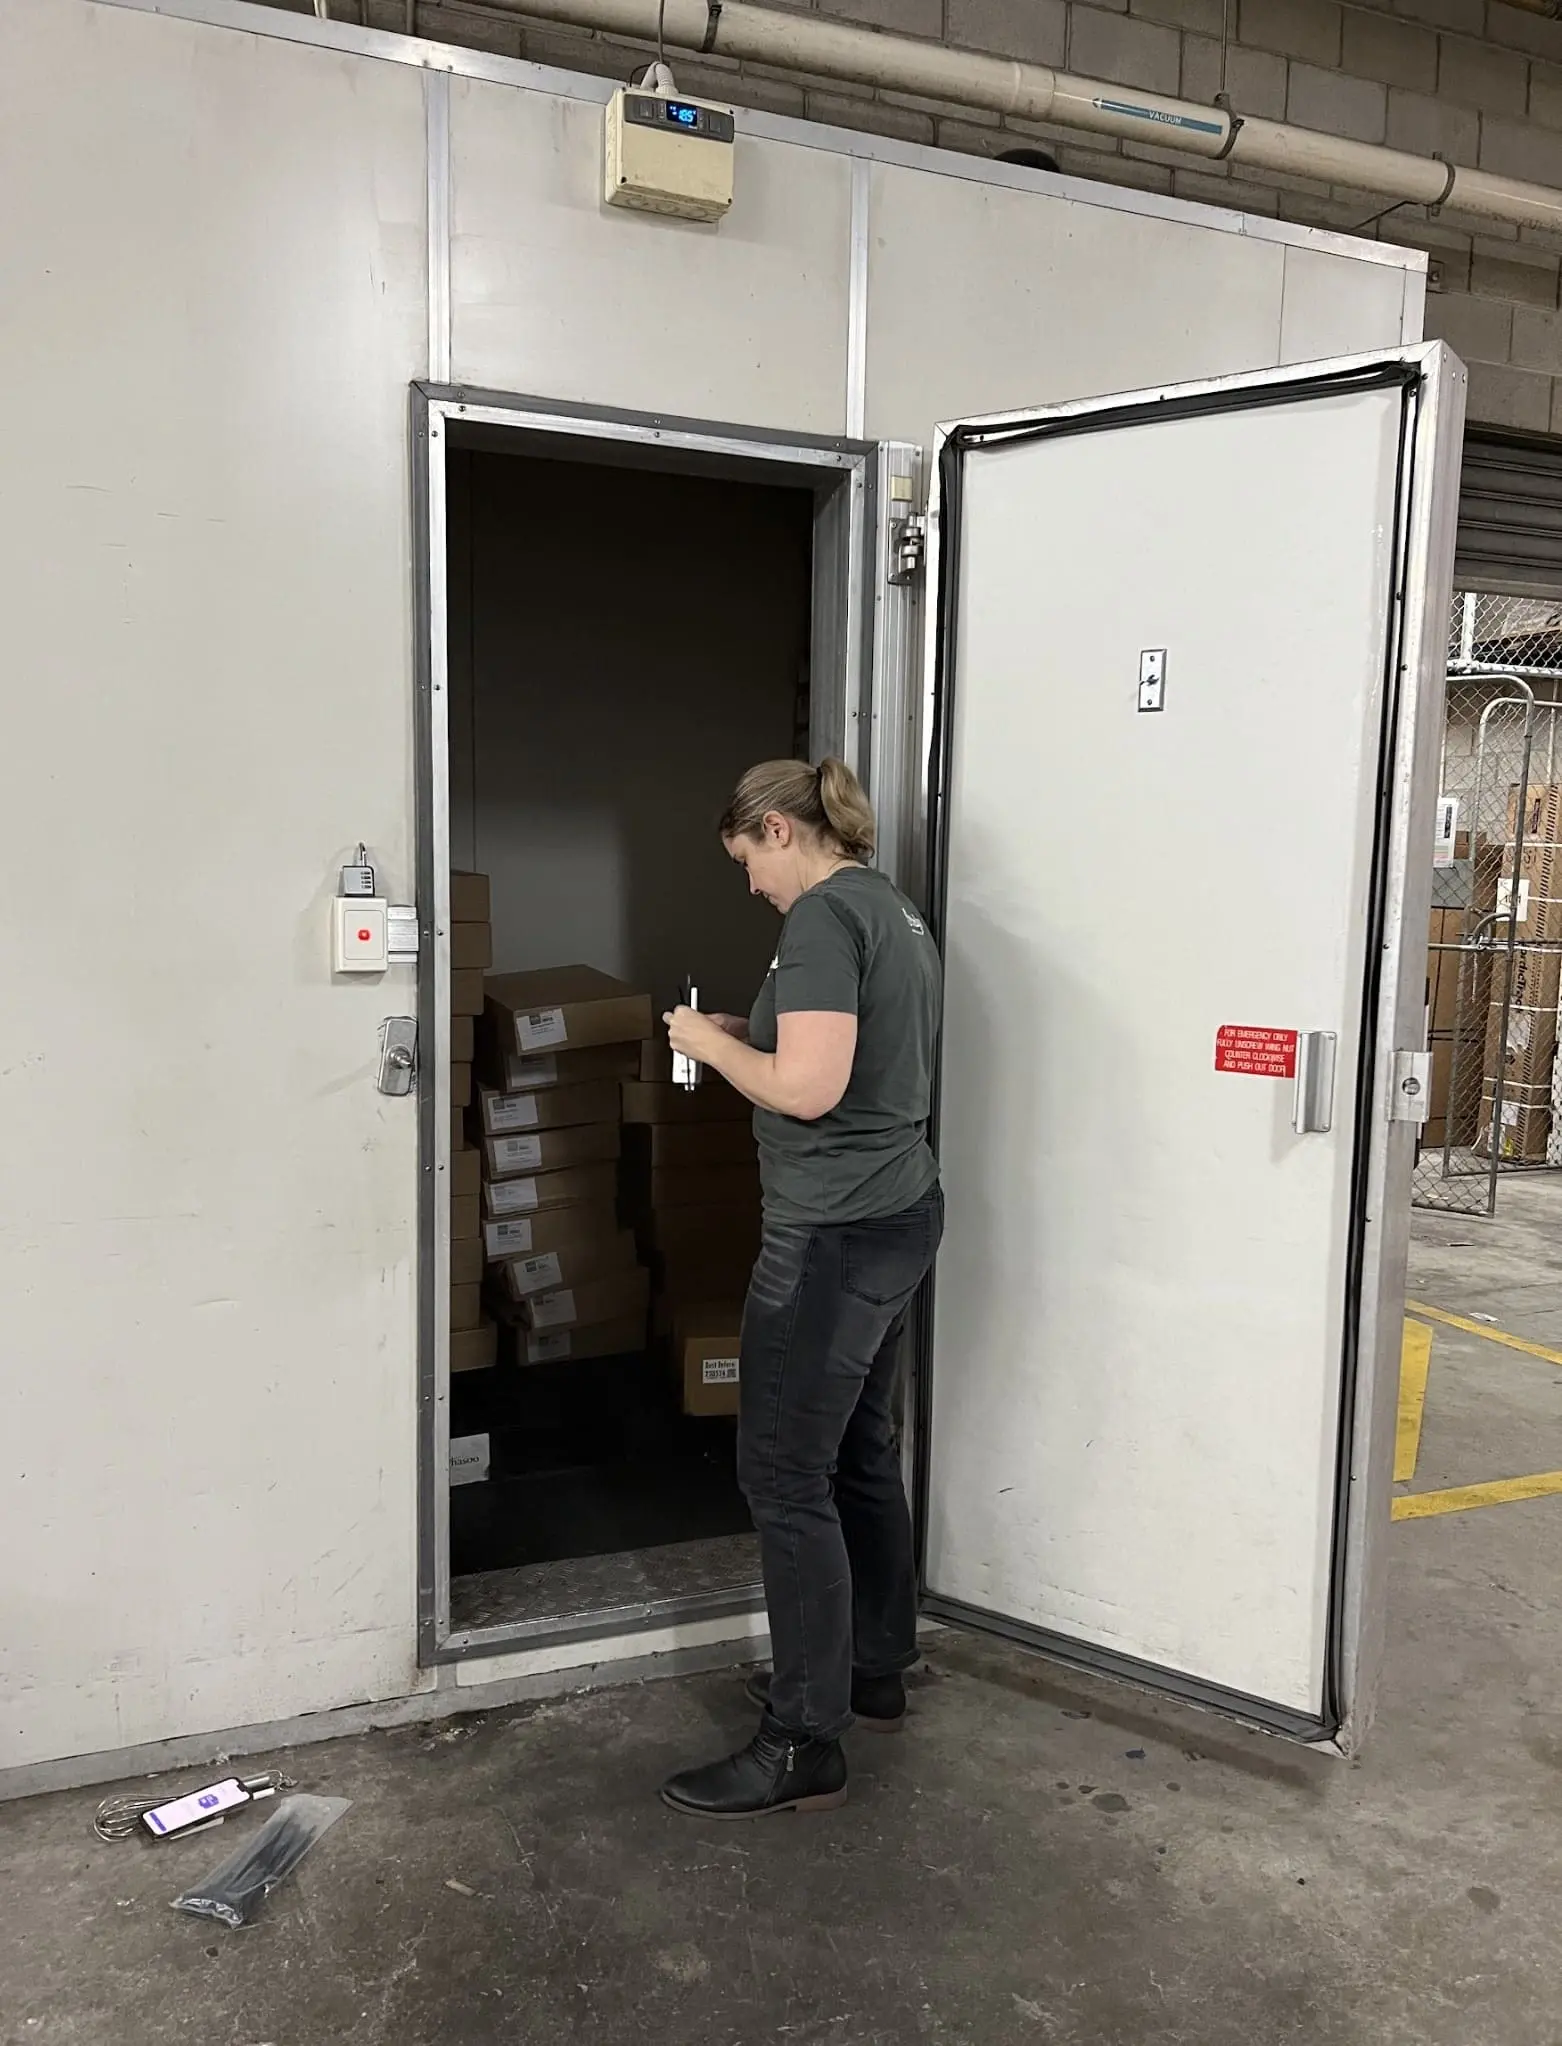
{"x": 539, "y": 1028}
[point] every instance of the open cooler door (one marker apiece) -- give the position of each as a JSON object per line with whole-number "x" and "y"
{"x": 1187, "y": 691}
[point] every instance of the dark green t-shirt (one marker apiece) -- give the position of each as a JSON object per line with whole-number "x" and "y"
{"x": 855, "y": 946}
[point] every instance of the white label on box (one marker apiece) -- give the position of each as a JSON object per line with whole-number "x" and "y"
{"x": 469, "y": 1459}
{"x": 547, "y": 1349}
{"x": 513, "y": 1196}
{"x": 539, "y": 1028}
{"x": 1505, "y": 897}
{"x": 518, "y": 1154}
{"x": 719, "y": 1371}
{"x": 536, "y": 1274}
{"x": 507, "y": 1239}
{"x": 512, "y": 1112}
{"x": 1447, "y": 831}
{"x": 543, "y": 1072}
{"x": 549, "y": 1309}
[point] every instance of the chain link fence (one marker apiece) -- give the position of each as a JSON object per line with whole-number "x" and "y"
{"x": 1495, "y": 946}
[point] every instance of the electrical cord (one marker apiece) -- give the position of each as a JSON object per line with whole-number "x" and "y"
{"x": 119, "y": 1817}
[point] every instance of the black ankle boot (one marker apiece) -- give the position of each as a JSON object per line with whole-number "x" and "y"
{"x": 878, "y": 1703}
{"x": 776, "y": 1772}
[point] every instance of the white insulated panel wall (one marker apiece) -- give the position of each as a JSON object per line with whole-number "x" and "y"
{"x": 555, "y": 294}
{"x": 1018, "y": 300}
{"x": 206, "y": 1210}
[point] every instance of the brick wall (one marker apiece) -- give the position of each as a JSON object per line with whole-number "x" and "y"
{"x": 1473, "y": 80}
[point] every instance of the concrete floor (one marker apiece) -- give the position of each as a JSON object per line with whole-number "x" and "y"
{"x": 1035, "y": 1859}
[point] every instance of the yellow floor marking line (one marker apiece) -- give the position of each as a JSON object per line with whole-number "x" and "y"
{"x": 1415, "y": 1359}
{"x": 1490, "y": 1335}
{"x": 1464, "y": 1498}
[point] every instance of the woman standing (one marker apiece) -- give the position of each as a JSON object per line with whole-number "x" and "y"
{"x": 837, "y": 1057}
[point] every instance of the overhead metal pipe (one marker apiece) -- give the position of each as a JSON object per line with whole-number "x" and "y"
{"x": 1035, "y": 92}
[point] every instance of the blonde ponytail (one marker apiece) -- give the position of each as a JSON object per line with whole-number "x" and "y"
{"x": 828, "y": 800}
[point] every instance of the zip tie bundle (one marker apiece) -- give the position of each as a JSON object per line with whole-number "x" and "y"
{"x": 237, "y": 1886}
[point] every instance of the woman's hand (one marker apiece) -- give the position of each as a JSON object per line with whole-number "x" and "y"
{"x": 697, "y": 1035}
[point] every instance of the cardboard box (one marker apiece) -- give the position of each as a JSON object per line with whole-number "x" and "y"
{"x": 549, "y": 1150}
{"x": 695, "y": 1186}
{"x": 573, "y": 1264}
{"x": 471, "y": 899}
{"x": 560, "y": 1345}
{"x": 1542, "y": 812}
{"x": 466, "y": 1261}
{"x": 466, "y": 1176}
{"x": 700, "y": 1227}
{"x": 564, "y": 1007}
{"x": 596, "y": 1184}
{"x": 466, "y": 1306}
{"x": 512, "y": 1072}
{"x": 463, "y": 1039}
{"x": 552, "y": 1108}
{"x": 466, "y": 993}
{"x": 578, "y": 1227}
{"x": 465, "y": 1220}
{"x": 649, "y": 1145}
{"x": 705, "y": 1356}
{"x": 712, "y": 1101}
{"x": 1534, "y": 893}
{"x": 460, "y": 1084}
{"x": 1524, "y": 1131}
{"x": 474, "y": 1349}
{"x": 612, "y": 1298}
{"x": 459, "y": 1140}
{"x": 471, "y": 947}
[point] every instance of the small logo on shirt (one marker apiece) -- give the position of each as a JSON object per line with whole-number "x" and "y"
{"x": 915, "y": 922}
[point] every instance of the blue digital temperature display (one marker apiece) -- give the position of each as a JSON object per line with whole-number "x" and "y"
{"x": 682, "y": 116}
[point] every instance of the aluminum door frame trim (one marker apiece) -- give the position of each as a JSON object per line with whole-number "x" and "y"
{"x": 608, "y": 1623}
{"x": 857, "y": 301}
{"x": 436, "y": 130}
{"x": 1426, "y": 511}
{"x": 435, "y": 408}
{"x": 386, "y": 46}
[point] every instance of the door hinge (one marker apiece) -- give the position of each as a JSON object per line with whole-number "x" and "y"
{"x": 907, "y": 548}
{"x": 1410, "y": 1100}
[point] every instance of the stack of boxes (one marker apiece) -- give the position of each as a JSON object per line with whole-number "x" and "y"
{"x": 691, "y": 1188}
{"x": 1523, "y": 1047}
{"x": 473, "y": 1338}
{"x": 564, "y": 1272}
{"x": 1452, "y": 1108}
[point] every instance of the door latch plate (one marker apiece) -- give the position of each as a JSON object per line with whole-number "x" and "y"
{"x": 1412, "y": 1087}
{"x": 398, "y": 1054}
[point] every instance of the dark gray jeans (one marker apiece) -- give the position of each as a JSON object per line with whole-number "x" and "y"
{"x": 818, "y": 1455}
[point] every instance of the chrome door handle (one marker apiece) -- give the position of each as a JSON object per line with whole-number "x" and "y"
{"x": 1315, "y": 1059}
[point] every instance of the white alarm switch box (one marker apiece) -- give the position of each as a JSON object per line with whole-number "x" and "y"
{"x": 359, "y": 942}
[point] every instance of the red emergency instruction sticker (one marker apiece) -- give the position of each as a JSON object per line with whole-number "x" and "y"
{"x": 1244, "y": 1048}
